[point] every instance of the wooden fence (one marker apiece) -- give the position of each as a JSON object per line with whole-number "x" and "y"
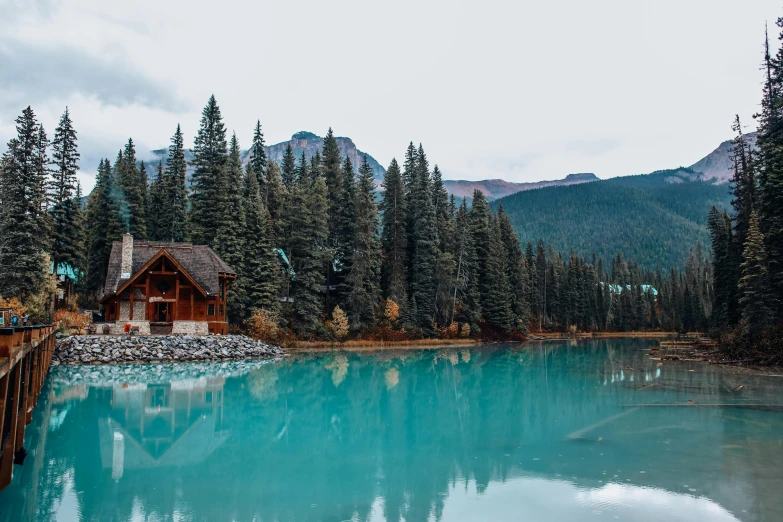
{"x": 25, "y": 354}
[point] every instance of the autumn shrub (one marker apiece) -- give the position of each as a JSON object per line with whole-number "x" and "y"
{"x": 339, "y": 324}
{"x": 263, "y": 325}
{"x": 464, "y": 331}
{"x": 450, "y": 332}
{"x": 391, "y": 312}
{"x": 67, "y": 318}
{"x": 16, "y": 306}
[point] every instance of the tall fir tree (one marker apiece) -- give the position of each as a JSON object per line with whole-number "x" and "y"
{"x": 363, "y": 279}
{"x": 133, "y": 191}
{"x": 22, "y": 197}
{"x": 210, "y": 159}
{"x": 393, "y": 237}
{"x": 308, "y": 235}
{"x": 743, "y": 183}
{"x": 343, "y": 240}
{"x": 229, "y": 223}
{"x": 516, "y": 272}
{"x": 332, "y": 172}
{"x": 276, "y": 197}
{"x": 66, "y": 221}
{"x": 105, "y": 227}
{"x": 157, "y": 226}
{"x": 466, "y": 301}
{"x": 258, "y": 159}
{"x": 770, "y": 152}
{"x": 288, "y": 167}
{"x": 425, "y": 247}
{"x": 176, "y": 190}
{"x": 497, "y": 297}
{"x": 755, "y": 298}
{"x": 261, "y": 270}
{"x": 480, "y": 218}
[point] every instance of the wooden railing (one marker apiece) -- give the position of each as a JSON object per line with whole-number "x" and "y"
{"x": 25, "y": 354}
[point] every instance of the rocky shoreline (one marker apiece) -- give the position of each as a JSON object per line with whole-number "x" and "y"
{"x": 101, "y": 349}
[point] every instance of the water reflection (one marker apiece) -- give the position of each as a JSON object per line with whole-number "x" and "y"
{"x": 550, "y": 432}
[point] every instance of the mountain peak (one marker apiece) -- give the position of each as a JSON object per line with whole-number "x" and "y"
{"x": 305, "y": 135}
{"x": 581, "y": 177}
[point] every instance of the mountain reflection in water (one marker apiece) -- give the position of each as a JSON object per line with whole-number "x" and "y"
{"x": 573, "y": 431}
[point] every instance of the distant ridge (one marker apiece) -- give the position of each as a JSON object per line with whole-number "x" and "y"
{"x": 497, "y": 188}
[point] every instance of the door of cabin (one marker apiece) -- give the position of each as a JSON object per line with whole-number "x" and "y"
{"x": 163, "y": 313}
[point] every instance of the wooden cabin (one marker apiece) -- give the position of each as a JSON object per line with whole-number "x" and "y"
{"x": 166, "y": 288}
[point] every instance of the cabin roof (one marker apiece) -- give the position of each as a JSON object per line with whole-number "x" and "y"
{"x": 200, "y": 262}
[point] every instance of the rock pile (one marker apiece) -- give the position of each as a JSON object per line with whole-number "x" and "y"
{"x": 94, "y": 349}
{"x": 110, "y": 375}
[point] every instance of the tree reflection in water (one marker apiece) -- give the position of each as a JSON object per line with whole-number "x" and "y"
{"x": 544, "y": 431}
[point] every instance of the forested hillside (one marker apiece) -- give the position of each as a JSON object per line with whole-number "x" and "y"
{"x": 654, "y": 219}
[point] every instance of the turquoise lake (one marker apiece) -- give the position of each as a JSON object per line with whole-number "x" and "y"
{"x": 589, "y": 430}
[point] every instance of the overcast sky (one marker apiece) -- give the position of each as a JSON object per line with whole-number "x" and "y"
{"x": 522, "y": 91}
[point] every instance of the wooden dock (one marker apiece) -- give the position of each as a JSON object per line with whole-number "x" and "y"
{"x": 25, "y": 354}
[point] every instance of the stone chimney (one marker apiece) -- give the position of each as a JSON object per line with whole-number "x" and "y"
{"x": 126, "y": 264}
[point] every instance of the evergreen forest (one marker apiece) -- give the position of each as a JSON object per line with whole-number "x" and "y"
{"x": 318, "y": 254}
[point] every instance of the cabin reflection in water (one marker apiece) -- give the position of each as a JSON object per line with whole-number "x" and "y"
{"x": 151, "y": 425}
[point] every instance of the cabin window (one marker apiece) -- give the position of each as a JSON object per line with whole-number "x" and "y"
{"x": 221, "y": 310}
{"x": 222, "y": 291}
{"x": 210, "y": 309}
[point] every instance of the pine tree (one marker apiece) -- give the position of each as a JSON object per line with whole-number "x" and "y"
{"x": 22, "y": 198}
{"x": 288, "y": 167}
{"x": 443, "y": 217}
{"x": 479, "y": 224}
{"x": 133, "y": 191}
{"x": 724, "y": 265}
{"x": 308, "y": 233}
{"x": 276, "y": 197}
{"x": 743, "y": 183}
{"x": 315, "y": 166}
{"x": 157, "y": 228}
{"x": 425, "y": 247}
{"x": 332, "y": 173}
{"x": 105, "y": 227}
{"x": 497, "y": 296}
{"x": 41, "y": 201}
{"x": 176, "y": 191}
{"x": 258, "y": 159}
{"x": 393, "y": 237}
{"x": 229, "y": 224}
{"x": 302, "y": 170}
{"x": 210, "y": 159}
{"x": 770, "y": 145}
{"x": 467, "y": 298}
{"x": 515, "y": 272}
{"x": 261, "y": 270}
{"x": 363, "y": 279}
{"x": 755, "y": 298}
{"x": 343, "y": 239}
{"x": 66, "y": 225}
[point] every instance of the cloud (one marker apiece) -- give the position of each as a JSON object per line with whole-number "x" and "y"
{"x": 31, "y": 74}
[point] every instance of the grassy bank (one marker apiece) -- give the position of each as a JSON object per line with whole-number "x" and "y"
{"x": 369, "y": 345}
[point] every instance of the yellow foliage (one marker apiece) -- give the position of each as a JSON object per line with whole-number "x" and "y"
{"x": 339, "y": 323}
{"x": 465, "y": 330}
{"x": 450, "y": 332}
{"x": 392, "y": 311}
{"x": 16, "y": 306}
{"x": 262, "y": 325}
{"x": 66, "y": 319}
